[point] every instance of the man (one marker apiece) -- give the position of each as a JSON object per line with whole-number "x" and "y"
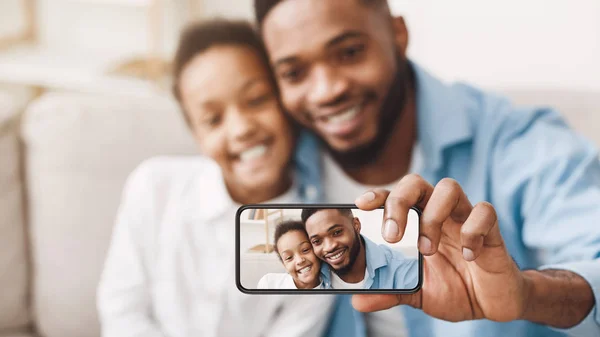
{"x": 524, "y": 259}
{"x": 352, "y": 261}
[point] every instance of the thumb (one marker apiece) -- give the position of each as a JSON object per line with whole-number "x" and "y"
{"x": 370, "y": 303}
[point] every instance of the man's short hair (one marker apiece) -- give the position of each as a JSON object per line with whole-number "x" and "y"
{"x": 200, "y": 36}
{"x": 263, "y": 7}
{"x": 308, "y": 212}
{"x": 285, "y": 227}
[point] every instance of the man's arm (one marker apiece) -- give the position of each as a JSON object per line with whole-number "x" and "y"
{"x": 557, "y": 298}
{"x": 558, "y": 195}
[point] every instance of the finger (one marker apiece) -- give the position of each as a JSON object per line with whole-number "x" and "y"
{"x": 412, "y": 190}
{"x": 480, "y": 228}
{"x": 376, "y": 302}
{"x": 372, "y": 199}
{"x": 447, "y": 200}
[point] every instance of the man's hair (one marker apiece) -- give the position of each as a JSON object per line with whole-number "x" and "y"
{"x": 285, "y": 227}
{"x": 200, "y": 36}
{"x": 263, "y": 7}
{"x": 308, "y": 212}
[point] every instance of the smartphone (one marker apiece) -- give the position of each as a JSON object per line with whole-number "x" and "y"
{"x": 323, "y": 249}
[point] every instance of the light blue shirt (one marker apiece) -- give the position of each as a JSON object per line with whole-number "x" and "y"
{"x": 542, "y": 178}
{"x": 386, "y": 268}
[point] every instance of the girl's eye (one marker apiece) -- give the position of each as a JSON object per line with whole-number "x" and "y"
{"x": 212, "y": 120}
{"x": 257, "y": 101}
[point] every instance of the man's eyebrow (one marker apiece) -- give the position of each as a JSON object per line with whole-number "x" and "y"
{"x": 334, "y": 227}
{"x": 351, "y": 34}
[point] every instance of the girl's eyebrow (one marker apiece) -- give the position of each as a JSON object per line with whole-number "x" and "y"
{"x": 303, "y": 242}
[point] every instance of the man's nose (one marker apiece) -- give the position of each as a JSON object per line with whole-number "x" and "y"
{"x": 329, "y": 245}
{"x": 328, "y": 87}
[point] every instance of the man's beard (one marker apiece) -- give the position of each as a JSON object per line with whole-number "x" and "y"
{"x": 354, "y": 251}
{"x": 390, "y": 112}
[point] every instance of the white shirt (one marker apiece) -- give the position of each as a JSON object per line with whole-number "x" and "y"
{"x": 279, "y": 281}
{"x": 170, "y": 269}
{"x": 340, "y": 188}
{"x": 338, "y": 283}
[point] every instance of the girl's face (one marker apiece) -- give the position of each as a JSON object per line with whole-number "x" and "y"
{"x": 236, "y": 118}
{"x": 299, "y": 259}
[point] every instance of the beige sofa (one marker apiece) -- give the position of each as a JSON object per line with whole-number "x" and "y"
{"x": 63, "y": 162}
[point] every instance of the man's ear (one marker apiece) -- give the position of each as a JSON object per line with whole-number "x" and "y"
{"x": 400, "y": 34}
{"x": 356, "y": 225}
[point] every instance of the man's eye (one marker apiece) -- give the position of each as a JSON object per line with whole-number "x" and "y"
{"x": 351, "y": 52}
{"x": 292, "y": 75}
{"x": 316, "y": 242}
{"x": 337, "y": 232}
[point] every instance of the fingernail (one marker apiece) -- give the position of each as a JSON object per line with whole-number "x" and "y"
{"x": 468, "y": 254}
{"x": 424, "y": 244}
{"x": 390, "y": 229}
{"x": 367, "y": 197}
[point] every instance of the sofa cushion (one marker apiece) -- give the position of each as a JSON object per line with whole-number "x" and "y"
{"x": 79, "y": 150}
{"x": 14, "y": 267}
{"x": 17, "y": 334}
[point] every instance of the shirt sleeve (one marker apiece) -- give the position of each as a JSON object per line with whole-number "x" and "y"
{"x": 552, "y": 175}
{"x": 123, "y": 296}
{"x": 407, "y": 276}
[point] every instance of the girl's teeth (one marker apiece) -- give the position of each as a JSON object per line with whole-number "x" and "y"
{"x": 345, "y": 116}
{"x": 253, "y": 152}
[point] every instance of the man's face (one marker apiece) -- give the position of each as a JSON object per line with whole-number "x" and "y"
{"x": 335, "y": 61}
{"x": 335, "y": 238}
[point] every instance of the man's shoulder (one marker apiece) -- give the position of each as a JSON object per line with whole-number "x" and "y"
{"x": 489, "y": 109}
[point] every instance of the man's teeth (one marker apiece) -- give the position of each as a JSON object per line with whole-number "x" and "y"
{"x": 344, "y": 116}
{"x": 304, "y": 270}
{"x": 336, "y": 256}
{"x": 253, "y": 152}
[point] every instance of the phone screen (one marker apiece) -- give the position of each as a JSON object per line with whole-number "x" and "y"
{"x": 287, "y": 249}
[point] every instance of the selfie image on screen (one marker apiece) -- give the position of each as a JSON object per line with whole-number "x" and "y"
{"x": 321, "y": 248}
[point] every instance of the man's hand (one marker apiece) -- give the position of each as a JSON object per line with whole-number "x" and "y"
{"x": 467, "y": 270}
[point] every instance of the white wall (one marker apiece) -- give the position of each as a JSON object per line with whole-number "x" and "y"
{"x": 509, "y": 43}
{"x": 550, "y": 43}
{"x": 370, "y": 227}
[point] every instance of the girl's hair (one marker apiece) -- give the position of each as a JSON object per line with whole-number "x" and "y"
{"x": 285, "y": 227}
{"x": 200, "y": 36}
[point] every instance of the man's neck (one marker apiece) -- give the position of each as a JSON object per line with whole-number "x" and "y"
{"x": 357, "y": 273}
{"x": 394, "y": 161}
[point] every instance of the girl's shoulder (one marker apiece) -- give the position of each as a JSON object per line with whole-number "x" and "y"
{"x": 276, "y": 281}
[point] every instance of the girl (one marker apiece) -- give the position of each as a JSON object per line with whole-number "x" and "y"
{"x": 170, "y": 266}
{"x": 296, "y": 253}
